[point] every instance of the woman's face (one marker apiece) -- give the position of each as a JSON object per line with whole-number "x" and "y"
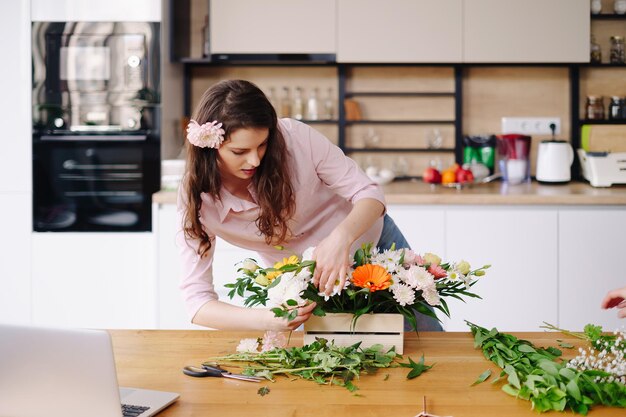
{"x": 242, "y": 152}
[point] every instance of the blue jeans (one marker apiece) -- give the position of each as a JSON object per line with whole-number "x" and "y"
{"x": 392, "y": 234}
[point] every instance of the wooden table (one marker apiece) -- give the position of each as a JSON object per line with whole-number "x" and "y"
{"x": 154, "y": 359}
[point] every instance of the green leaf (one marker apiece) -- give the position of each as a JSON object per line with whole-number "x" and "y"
{"x": 573, "y": 390}
{"x": 417, "y": 368}
{"x": 526, "y": 349}
{"x": 513, "y": 378}
{"x": 482, "y": 377}
{"x": 566, "y": 345}
{"x": 292, "y": 303}
{"x": 510, "y": 390}
{"x": 593, "y": 332}
{"x": 263, "y": 391}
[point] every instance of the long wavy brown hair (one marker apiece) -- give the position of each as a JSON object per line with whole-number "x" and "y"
{"x": 239, "y": 104}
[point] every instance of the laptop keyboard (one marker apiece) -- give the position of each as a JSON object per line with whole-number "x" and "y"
{"x": 133, "y": 410}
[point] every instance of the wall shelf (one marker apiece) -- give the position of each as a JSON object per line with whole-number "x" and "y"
{"x": 608, "y": 16}
{"x": 399, "y": 122}
{"x": 399, "y": 94}
{"x": 432, "y": 150}
{"x": 602, "y": 122}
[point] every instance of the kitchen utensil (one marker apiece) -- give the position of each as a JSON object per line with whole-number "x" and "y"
{"x": 513, "y": 150}
{"x": 554, "y": 160}
{"x": 603, "y": 169}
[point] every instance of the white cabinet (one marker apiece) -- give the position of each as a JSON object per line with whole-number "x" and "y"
{"x": 519, "y": 291}
{"x": 96, "y": 11}
{"x": 272, "y": 27}
{"x": 526, "y": 31}
{"x": 399, "y": 31}
{"x": 423, "y": 227}
{"x": 171, "y": 313}
{"x": 97, "y": 280}
{"x": 591, "y": 250}
{"x": 15, "y": 287}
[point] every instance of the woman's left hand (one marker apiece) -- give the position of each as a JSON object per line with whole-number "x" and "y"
{"x": 331, "y": 262}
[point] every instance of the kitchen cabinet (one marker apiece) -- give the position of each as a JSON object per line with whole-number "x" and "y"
{"x": 171, "y": 313}
{"x": 591, "y": 250}
{"x": 526, "y": 31}
{"x": 15, "y": 267}
{"x": 276, "y": 27}
{"x": 399, "y": 31}
{"x": 519, "y": 291}
{"x": 96, "y": 11}
{"x": 99, "y": 280}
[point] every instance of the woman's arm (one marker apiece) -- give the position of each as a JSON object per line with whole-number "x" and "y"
{"x": 219, "y": 315}
{"x": 332, "y": 255}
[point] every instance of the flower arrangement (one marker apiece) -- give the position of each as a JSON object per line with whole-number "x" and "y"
{"x": 389, "y": 281}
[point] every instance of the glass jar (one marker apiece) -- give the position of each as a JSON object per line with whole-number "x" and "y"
{"x": 596, "y": 51}
{"x": 596, "y": 6}
{"x": 619, "y": 6}
{"x": 595, "y": 108}
{"x": 617, "y": 50}
{"x": 616, "y": 108}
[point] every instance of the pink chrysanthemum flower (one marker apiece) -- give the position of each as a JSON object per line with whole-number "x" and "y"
{"x": 437, "y": 271}
{"x": 208, "y": 135}
{"x": 273, "y": 339}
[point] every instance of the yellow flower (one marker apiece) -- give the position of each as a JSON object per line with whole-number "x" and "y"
{"x": 463, "y": 267}
{"x": 431, "y": 259}
{"x": 292, "y": 260}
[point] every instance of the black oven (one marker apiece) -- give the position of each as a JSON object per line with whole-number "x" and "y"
{"x": 96, "y": 125}
{"x": 97, "y": 183}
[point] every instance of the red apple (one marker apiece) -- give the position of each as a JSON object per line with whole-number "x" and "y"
{"x": 431, "y": 176}
{"x": 464, "y": 176}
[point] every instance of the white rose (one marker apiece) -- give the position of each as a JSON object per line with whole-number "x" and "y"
{"x": 249, "y": 265}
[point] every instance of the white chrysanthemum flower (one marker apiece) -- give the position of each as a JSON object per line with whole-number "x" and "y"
{"x": 388, "y": 259}
{"x": 403, "y": 294}
{"x": 431, "y": 296}
{"x": 418, "y": 277}
{"x": 289, "y": 288}
{"x": 248, "y": 345}
{"x": 337, "y": 288}
{"x": 453, "y": 274}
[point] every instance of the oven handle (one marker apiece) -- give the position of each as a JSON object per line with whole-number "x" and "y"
{"x": 71, "y": 164}
{"x": 99, "y": 138}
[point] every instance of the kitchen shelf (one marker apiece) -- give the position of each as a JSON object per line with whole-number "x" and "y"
{"x": 318, "y": 122}
{"x": 608, "y": 16}
{"x": 602, "y": 122}
{"x": 434, "y": 150}
{"x": 399, "y": 122}
{"x": 602, "y": 65}
{"x": 399, "y": 94}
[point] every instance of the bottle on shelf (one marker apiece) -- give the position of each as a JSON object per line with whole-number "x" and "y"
{"x": 594, "y": 109}
{"x": 619, "y": 6}
{"x": 617, "y": 50}
{"x": 285, "y": 103}
{"x": 312, "y": 107}
{"x": 206, "y": 49}
{"x": 616, "y": 108}
{"x": 297, "y": 110}
{"x": 329, "y": 105}
{"x": 596, "y": 6}
{"x": 271, "y": 96}
{"x": 596, "y": 51}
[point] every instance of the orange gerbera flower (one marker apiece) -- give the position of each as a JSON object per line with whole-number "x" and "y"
{"x": 374, "y": 277}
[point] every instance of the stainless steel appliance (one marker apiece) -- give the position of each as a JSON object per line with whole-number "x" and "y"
{"x": 96, "y": 125}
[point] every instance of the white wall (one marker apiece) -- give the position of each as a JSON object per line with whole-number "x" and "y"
{"x": 15, "y": 162}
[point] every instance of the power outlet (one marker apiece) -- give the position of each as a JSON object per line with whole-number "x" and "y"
{"x": 530, "y": 125}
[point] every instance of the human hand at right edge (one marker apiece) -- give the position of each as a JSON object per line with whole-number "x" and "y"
{"x": 616, "y": 298}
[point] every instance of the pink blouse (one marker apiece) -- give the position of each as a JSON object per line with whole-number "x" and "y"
{"x": 326, "y": 184}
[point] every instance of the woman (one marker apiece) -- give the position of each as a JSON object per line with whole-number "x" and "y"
{"x": 258, "y": 182}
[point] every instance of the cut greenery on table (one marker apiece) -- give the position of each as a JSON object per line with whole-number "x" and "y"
{"x": 322, "y": 362}
{"x": 536, "y": 374}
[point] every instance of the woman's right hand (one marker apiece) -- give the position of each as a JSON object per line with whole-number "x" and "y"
{"x": 616, "y": 298}
{"x": 279, "y": 323}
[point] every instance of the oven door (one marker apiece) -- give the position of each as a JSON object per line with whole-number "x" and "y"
{"x": 94, "y": 185}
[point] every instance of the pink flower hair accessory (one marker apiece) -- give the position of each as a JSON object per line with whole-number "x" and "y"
{"x": 208, "y": 135}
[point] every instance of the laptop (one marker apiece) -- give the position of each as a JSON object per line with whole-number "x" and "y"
{"x": 66, "y": 372}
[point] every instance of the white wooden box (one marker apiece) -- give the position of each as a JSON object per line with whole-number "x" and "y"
{"x": 370, "y": 329}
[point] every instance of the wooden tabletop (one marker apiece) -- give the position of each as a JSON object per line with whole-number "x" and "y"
{"x": 496, "y": 193}
{"x": 154, "y": 358}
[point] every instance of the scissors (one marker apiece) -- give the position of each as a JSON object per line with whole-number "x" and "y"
{"x": 216, "y": 371}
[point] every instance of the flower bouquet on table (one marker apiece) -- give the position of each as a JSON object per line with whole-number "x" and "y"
{"x": 396, "y": 281}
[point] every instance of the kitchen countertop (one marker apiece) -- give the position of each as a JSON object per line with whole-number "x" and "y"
{"x": 496, "y": 193}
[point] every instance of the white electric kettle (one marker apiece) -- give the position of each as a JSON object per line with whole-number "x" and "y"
{"x": 554, "y": 160}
